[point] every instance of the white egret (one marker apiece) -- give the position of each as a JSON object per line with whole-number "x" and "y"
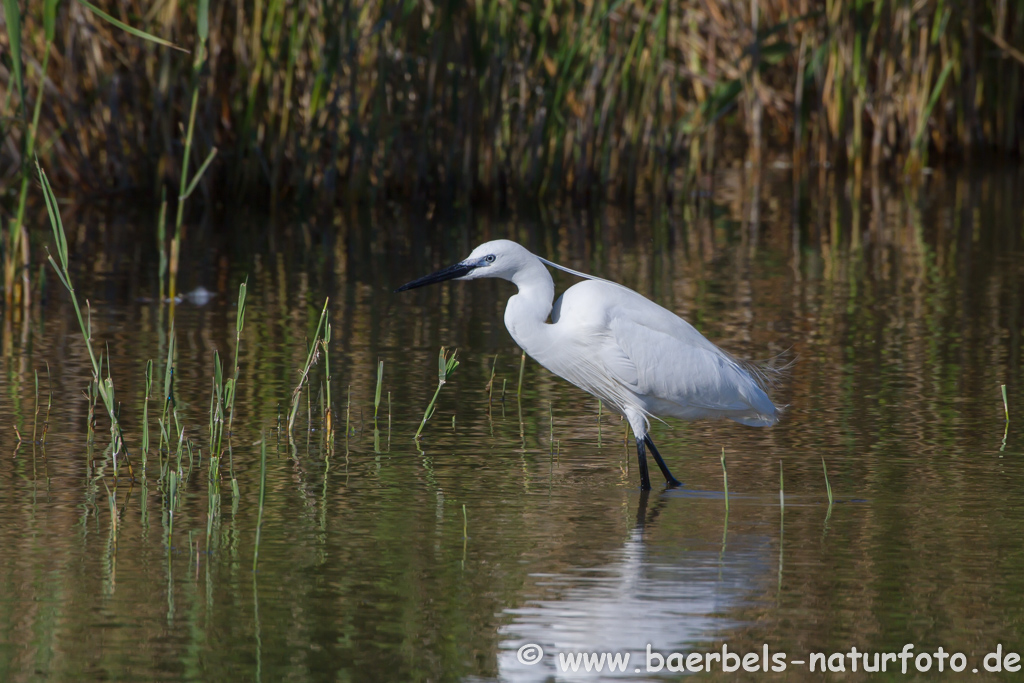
{"x": 640, "y": 359}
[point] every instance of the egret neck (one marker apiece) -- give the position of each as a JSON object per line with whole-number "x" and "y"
{"x": 526, "y": 314}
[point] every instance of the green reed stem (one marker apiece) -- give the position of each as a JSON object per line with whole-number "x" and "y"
{"x": 328, "y": 421}
{"x": 165, "y": 436}
{"x": 145, "y": 413}
{"x": 445, "y": 366}
{"x": 725, "y": 481}
{"x": 782, "y": 497}
{"x": 212, "y": 498}
{"x": 49, "y": 403}
{"x": 551, "y": 428}
{"x": 380, "y": 383}
{"x": 216, "y": 410}
{"x": 183, "y": 186}
{"x": 263, "y": 489}
{"x": 828, "y": 486}
{"x": 522, "y": 367}
{"x": 35, "y": 417}
{"x": 161, "y": 240}
{"x": 172, "y": 497}
{"x": 490, "y": 382}
{"x": 233, "y": 389}
{"x": 311, "y": 358}
{"x": 348, "y": 412}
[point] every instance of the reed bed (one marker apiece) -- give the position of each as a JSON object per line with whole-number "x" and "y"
{"x": 359, "y": 101}
{"x": 607, "y": 98}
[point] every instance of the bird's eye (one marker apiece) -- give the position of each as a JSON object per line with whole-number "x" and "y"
{"x": 489, "y": 258}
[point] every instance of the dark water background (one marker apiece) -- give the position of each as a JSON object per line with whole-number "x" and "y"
{"x": 903, "y": 308}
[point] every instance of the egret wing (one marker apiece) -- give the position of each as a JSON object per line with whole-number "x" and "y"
{"x": 689, "y": 373}
{"x": 635, "y": 354}
{"x": 594, "y": 361}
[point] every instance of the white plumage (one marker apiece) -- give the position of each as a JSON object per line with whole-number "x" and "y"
{"x": 639, "y": 358}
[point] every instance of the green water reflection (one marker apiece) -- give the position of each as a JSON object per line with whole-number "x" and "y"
{"x": 903, "y": 308}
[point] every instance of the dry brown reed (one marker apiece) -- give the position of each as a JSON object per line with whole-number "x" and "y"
{"x": 606, "y": 98}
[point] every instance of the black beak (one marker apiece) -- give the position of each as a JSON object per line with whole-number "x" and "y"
{"x": 449, "y": 273}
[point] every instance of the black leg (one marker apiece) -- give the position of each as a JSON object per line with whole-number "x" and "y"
{"x": 641, "y": 456}
{"x": 672, "y": 481}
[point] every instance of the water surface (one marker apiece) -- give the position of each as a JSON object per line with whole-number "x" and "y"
{"x": 518, "y": 521}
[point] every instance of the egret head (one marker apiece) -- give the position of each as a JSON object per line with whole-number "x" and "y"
{"x": 499, "y": 258}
